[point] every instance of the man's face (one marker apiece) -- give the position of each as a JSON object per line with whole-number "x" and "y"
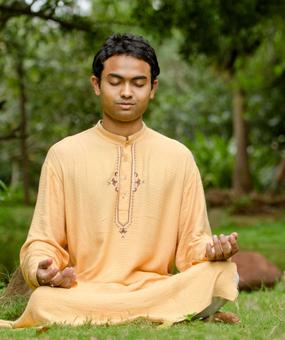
{"x": 125, "y": 88}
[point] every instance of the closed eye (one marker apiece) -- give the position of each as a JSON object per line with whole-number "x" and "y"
{"x": 139, "y": 83}
{"x": 114, "y": 82}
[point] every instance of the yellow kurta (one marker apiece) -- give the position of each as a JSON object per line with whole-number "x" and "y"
{"x": 122, "y": 211}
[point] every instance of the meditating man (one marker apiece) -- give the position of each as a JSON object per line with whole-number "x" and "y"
{"x": 119, "y": 206}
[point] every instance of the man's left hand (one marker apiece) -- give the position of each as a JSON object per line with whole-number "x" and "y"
{"x": 223, "y": 247}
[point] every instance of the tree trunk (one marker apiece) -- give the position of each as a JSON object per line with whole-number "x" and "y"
{"x": 23, "y": 130}
{"x": 279, "y": 176}
{"x": 15, "y": 176}
{"x": 16, "y": 287}
{"x": 241, "y": 175}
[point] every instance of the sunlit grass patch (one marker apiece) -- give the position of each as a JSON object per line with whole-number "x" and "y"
{"x": 261, "y": 313}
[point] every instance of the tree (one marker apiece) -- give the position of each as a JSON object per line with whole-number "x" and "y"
{"x": 264, "y": 81}
{"x": 228, "y": 33}
{"x": 43, "y": 47}
{"x": 66, "y": 13}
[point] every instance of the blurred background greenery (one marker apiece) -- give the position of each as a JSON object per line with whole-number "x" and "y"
{"x": 221, "y": 93}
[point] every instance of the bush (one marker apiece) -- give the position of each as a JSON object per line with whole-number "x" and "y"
{"x": 14, "y": 224}
{"x": 214, "y": 159}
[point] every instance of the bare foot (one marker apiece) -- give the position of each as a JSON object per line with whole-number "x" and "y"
{"x": 224, "y": 317}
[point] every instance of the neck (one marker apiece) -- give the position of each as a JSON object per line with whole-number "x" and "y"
{"x": 121, "y": 128}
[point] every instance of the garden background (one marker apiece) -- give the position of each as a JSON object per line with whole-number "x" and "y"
{"x": 221, "y": 92}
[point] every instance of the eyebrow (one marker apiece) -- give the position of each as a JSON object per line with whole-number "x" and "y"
{"x": 116, "y": 75}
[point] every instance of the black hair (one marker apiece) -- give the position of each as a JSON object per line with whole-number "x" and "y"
{"x": 128, "y": 44}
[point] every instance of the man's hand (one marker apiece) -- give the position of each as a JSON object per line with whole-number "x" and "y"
{"x": 53, "y": 277}
{"x": 223, "y": 247}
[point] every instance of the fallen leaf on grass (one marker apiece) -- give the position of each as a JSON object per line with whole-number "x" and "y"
{"x": 42, "y": 330}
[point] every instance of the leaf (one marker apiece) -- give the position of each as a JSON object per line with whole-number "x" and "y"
{"x": 189, "y": 317}
{"x": 42, "y": 330}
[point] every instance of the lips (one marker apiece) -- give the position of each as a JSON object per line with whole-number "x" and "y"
{"x": 125, "y": 105}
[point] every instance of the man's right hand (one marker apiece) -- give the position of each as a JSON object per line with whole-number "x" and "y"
{"x": 48, "y": 276}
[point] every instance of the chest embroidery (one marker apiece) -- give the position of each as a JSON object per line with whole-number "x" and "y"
{"x": 115, "y": 181}
{"x": 126, "y": 182}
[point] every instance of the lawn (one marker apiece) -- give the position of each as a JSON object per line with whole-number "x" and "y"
{"x": 262, "y": 317}
{"x": 262, "y": 312}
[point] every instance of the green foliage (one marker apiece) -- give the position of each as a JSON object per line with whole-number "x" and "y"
{"x": 214, "y": 158}
{"x": 221, "y": 30}
{"x": 263, "y": 79}
{"x": 192, "y": 106}
{"x": 189, "y": 98}
{"x": 193, "y": 99}
{"x": 244, "y": 41}
{"x": 14, "y": 224}
{"x": 3, "y": 191}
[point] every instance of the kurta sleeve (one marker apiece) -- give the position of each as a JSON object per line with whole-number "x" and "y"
{"x": 47, "y": 236}
{"x": 194, "y": 229}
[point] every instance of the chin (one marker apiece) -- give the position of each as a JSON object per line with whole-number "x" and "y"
{"x": 125, "y": 118}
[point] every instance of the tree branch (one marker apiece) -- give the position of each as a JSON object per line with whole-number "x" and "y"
{"x": 75, "y": 22}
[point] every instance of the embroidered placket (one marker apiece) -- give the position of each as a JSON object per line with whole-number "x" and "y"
{"x": 126, "y": 182}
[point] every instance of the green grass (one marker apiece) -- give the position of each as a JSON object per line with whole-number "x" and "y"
{"x": 12, "y": 309}
{"x": 262, "y": 312}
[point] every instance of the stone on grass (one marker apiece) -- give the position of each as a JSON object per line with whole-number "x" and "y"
{"x": 255, "y": 271}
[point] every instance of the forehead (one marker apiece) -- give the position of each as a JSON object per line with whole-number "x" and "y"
{"x": 126, "y": 66}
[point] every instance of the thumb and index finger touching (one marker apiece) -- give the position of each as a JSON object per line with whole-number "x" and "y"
{"x": 44, "y": 264}
{"x": 47, "y": 275}
{"x": 225, "y": 245}
{"x": 44, "y": 272}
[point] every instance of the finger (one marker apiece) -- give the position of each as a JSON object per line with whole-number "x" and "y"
{"x": 57, "y": 280}
{"x": 226, "y": 246}
{"x": 66, "y": 279}
{"x": 209, "y": 253}
{"x": 234, "y": 244}
{"x": 45, "y": 264}
{"x": 218, "y": 250}
{"x": 69, "y": 276}
{"x": 63, "y": 283}
{"x": 234, "y": 235}
{"x": 68, "y": 272}
{"x": 67, "y": 283}
{"x": 44, "y": 276}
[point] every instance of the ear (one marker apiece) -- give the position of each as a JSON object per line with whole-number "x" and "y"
{"x": 154, "y": 88}
{"x": 95, "y": 82}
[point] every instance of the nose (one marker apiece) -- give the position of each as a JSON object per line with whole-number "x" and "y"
{"x": 126, "y": 91}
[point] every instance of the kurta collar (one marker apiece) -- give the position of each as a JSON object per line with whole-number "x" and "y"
{"x": 118, "y": 139}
